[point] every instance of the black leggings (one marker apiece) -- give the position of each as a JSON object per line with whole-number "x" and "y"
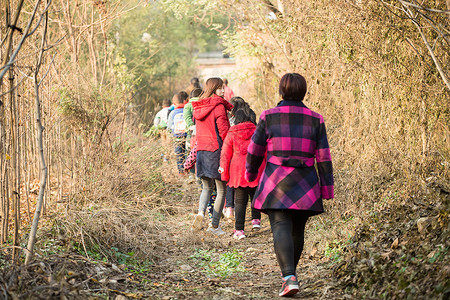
{"x": 241, "y": 197}
{"x": 288, "y": 228}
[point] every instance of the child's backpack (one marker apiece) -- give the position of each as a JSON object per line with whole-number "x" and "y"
{"x": 179, "y": 125}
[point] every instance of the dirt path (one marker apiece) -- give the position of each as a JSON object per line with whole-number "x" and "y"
{"x": 183, "y": 278}
{"x": 261, "y": 280}
{"x": 184, "y": 265}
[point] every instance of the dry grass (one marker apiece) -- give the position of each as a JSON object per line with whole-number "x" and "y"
{"x": 122, "y": 204}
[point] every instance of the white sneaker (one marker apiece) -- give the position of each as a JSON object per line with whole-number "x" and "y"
{"x": 238, "y": 234}
{"x": 216, "y": 231}
{"x": 197, "y": 225}
{"x": 256, "y": 224}
{"x": 229, "y": 213}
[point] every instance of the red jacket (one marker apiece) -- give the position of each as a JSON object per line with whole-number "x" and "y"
{"x": 208, "y": 113}
{"x": 234, "y": 153}
{"x": 228, "y": 93}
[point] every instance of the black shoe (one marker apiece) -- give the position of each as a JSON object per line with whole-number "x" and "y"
{"x": 289, "y": 287}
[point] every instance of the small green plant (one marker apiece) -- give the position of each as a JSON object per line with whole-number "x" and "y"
{"x": 123, "y": 258}
{"x": 50, "y": 246}
{"x": 139, "y": 267}
{"x": 439, "y": 255}
{"x": 92, "y": 252}
{"x": 133, "y": 263}
{"x": 154, "y": 131}
{"x": 334, "y": 251}
{"x": 229, "y": 262}
{"x": 158, "y": 216}
{"x": 223, "y": 265}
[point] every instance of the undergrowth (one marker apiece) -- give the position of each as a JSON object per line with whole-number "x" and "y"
{"x": 223, "y": 264}
{"x": 401, "y": 251}
{"x": 117, "y": 216}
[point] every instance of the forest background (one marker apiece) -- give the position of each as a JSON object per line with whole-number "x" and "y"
{"x": 81, "y": 80}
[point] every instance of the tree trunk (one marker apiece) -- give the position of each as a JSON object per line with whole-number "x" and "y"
{"x": 43, "y": 181}
{"x": 40, "y": 130}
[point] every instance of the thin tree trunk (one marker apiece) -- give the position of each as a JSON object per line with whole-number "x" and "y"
{"x": 93, "y": 54}
{"x": 14, "y": 162}
{"x": 43, "y": 181}
{"x": 5, "y": 175}
{"x": 448, "y": 8}
{"x": 40, "y": 130}
{"x": 27, "y": 167}
{"x": 5, "y": 205}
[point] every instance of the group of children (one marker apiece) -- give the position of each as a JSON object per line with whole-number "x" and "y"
{"x": 283, "y": 163}
{"x": 215, "y": 128}
{"x": 222, "y": 160}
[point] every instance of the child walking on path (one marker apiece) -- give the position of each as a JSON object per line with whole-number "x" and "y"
{"x": 238, "y": 103}
{"x": 232, "y": 166}
{"x": 188, "y": 116}
{"x": 210, "y": 113}
{"x": 162, "y": 116}
{"x": 177, "y": 125}
{"x": 290, "y": 190}
{"x": 189, "y": 164}
{"x": 189, "y": 119}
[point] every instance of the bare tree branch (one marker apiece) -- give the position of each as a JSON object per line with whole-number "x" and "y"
{"x": 420, "y": 7}
{"x": 273, "y": 8}
{"x": 39, "y": 22}
{"x": 410, "y": 14}
{"x": 435, "y": 60}
{"x": 10, "y": 33}
{"x": 48, "y": 70}
{"x": 274, "y": 36}
{"x": 19, "y": 46}
{"x": 437, "y": 27}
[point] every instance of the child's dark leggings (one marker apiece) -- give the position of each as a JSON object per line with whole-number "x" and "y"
{"x": 241, "y": 197}
{"x": 288, "y": 228}
{"x": 180, "y": 153}
{"x": 229, "y": 198}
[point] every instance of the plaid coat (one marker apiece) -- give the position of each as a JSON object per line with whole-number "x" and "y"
{"x": 295, "y": 138}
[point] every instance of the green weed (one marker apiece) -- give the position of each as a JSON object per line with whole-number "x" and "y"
{"x": 123, "y": 258}
{"x": 92, "y": 252}
{"x": 335, "y": 249}
{"x": 223, "y": 265}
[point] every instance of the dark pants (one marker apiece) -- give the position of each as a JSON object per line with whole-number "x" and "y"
{"x": 229, "y": 197}
{"x": 242, "y": 195}
{"x": 288, "y": 229}
{"x": 180, "y": 153}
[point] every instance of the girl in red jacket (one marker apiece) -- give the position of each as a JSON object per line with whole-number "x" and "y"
{"x": 232, "y": 166}
{"x": 210, "y": 113}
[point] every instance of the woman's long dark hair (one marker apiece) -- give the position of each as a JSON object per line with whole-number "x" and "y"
{"x": 211, "y": 86}
{"x": 242, "y": 111}
{"x": 242, "y": 116}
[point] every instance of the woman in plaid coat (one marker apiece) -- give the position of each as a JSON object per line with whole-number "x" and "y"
{"x": 290, "y": 191}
